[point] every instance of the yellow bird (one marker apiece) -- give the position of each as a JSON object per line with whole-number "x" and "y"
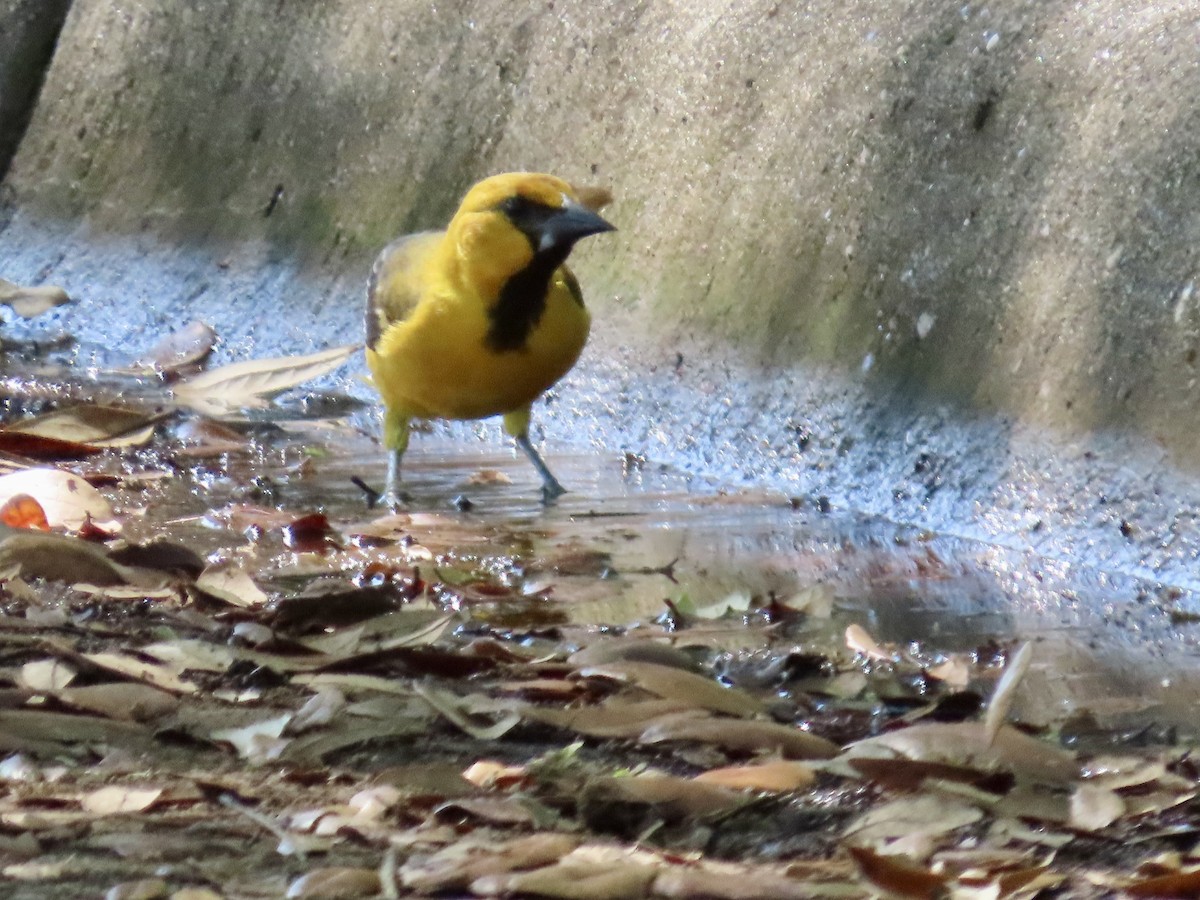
{"x": 480, "y": 319}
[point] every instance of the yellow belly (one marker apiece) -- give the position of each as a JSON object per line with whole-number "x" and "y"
{"x": 436, "y": 363}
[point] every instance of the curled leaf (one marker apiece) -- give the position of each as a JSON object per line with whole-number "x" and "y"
{"x": 29, "y": 302}
{"x": 250, "y": 383}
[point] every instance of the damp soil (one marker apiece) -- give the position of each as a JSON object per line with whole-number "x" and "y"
{"x": 325, "y": 673}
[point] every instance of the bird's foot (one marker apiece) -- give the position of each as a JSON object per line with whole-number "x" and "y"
{"x": 392, "y": 501}
{"x": 551, "y": 491}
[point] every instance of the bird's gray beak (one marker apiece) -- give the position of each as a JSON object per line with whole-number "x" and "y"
{"x": 570, "y": 224}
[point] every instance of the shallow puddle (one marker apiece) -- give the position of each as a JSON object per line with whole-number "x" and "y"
{"x": 631, "y": 539}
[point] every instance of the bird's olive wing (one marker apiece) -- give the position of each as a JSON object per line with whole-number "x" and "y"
{"x": 394, "y": 287}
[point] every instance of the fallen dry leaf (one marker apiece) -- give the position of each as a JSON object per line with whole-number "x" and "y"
{"x": 258, "y": 742}
{"x": 67, "y": 500}
{"x": 673, "y": 798}
{"x": 28, "y": 302}
{"x": 676, "y": 684}
{"x": 93, "y": 425}
{"x": 1094, "y": 807}
{"x": 336, "y": 882}
{"x": 139, "y": 669}
{"x": 572, "y": 879}
{"x": 858, "y": 640}
{"x": 115, "y": 799}
{"x": 913, "y": 820}
{"x": 897, "y": 877}
{"x": 127, "y": 701}
{"x": 1177, "y": 884}
{"x": 23, "y": 511}
{"x": 46, "y": 676}
{"x": 58, "y": 557}
{"x": 1006, "y": 687}
{"x": 248, "y": 384}
{"x": 777, "y": 775}
{"x": 458, "y": 711}
{"x": 966, "y": 744}
{"x": 144, "y": 889}
{"x": 955, "y": 671}
{"x": 228, "y": 581}
{"x": 616, "y": 717}
{"x": 746, "y": 737}
{"x": 466, "y": 860}
{"x": 185, "y": 347}
{"x": 691, "y": 882}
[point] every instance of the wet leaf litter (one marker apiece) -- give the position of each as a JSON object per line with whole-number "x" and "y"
{"x": 224, "y": 676}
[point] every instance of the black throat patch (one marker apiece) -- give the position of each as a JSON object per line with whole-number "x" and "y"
{"x": 522, "y": 301}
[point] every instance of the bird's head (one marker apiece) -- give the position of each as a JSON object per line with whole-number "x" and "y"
{"x": 506, "y": 220}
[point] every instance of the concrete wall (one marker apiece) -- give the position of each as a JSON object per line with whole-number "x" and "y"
{"x": 899, "y": 245}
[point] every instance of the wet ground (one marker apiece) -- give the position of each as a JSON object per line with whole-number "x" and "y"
{"x": 1118, "y": 647}
{"x": 310, "y": 687}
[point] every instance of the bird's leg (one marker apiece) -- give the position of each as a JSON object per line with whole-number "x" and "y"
{"x": 395, "y": 438}
{"x": 551, "y": 489}
{"x": 516, "y": 423}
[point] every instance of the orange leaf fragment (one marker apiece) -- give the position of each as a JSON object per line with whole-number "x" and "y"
{"x": 1177, "y": 884}
{"x": 898, "y": 877}
{"x": 777, "y": 775}
{"x": 23, "y": 511}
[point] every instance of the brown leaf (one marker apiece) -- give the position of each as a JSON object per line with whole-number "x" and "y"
{"x": 229, "y": 582}
{"x": 139, "y": 669}
{"x": 751, "y": 883}
{"x": 23, "y": 511}
{"x": 776, "y": 775}
{"x": 463, "y": 861}
{"x": 744, "y": 737}
{"x": 503, "y": 811}
{"x": 43, "y": 449}
{"x": 676, "y": 684}
{"x": 671, "y": 797}
{"x": 577, "y": 880}
{"x": 46, "y": 676}
{"x": 1006, "y": 687}
{"x": 145, "y": 889}
{"x": 858, "y": 640}
{"x": 617, "y": 717}
{"x": 248, "y": 384}
{"x": 336, "y": 882}
{"x": 31, "y": 301}
{"x": 914, "y": 819}
{"x": 626, "y": 649}
{"x": 116, "y": 799}
{"x": 966, "y": 744}
{"x": 910, "y": 774}
{"x": 182, "y": 348}
{"x": 310, "y": 534}
{"x": 898, "y": 877}
{"x": 1175, "y": 885}
{"x": 123, "y": 700}
{"x": 56, "y": 557}
{"x": 92, "y": 425}
{"x": 1094, "y": 807}
{"x": 67, "y": 499}
{"x": 22, "y": 728}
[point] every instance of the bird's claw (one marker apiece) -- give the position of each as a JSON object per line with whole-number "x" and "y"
{"x": 551, "y": 491}
{"x": 393, "y": 501}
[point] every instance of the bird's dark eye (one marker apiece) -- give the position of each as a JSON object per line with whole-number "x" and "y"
{"x": 515, "y": 207}
{"x": 527, "y": 216}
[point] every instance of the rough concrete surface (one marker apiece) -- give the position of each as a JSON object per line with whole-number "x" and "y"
{"x": 933, "y": 260}
{"x": 28, "y": 30}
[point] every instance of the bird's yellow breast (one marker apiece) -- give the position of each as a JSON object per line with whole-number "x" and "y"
{"x": 437, "y": 362}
